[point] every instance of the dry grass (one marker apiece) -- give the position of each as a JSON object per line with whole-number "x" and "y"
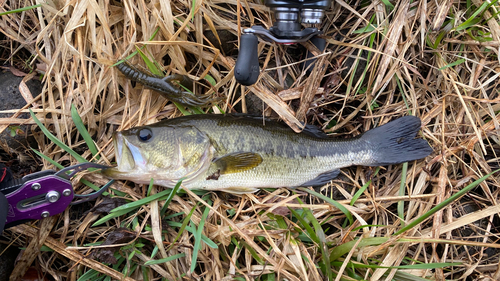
{"x": 424, "y": 59}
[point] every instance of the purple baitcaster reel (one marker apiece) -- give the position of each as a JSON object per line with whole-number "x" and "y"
{"x": 43, "y": 194}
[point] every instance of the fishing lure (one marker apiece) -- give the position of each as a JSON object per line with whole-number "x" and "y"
{"x": 166, "y": 85}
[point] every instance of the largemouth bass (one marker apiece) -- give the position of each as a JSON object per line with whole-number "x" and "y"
{"x": 240, "y": 154}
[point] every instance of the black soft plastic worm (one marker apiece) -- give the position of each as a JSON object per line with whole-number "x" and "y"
{"x": 166, "y": 85}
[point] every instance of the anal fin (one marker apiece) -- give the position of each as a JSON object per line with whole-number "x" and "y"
{"x": 322, "y": 179}
{"x": 240, "y": 190}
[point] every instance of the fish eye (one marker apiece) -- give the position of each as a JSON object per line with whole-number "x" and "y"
{"x": 145, "y": 134}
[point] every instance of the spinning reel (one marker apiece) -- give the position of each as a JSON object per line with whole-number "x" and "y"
{"x": 287, "y": 29}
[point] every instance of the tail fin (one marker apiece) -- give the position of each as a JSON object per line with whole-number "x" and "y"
{"x": 395, "y": 142}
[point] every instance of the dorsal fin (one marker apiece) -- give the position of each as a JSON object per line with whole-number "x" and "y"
{"x": 314, "y": 131}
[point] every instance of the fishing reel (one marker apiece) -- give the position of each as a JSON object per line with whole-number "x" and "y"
{"x": 289, "y": 15}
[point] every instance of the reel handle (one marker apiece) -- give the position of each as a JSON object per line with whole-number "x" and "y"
{"x": 246, "y": 70}
{"x": 320, "y": 43}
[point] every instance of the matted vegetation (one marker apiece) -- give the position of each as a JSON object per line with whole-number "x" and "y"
{"x": 438, "y": 61}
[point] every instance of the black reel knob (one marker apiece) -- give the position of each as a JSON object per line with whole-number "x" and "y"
{"x": 246, "y": 70}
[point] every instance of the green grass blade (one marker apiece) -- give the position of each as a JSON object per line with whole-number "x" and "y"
{"x": 93, "y": 186}
{"x": 410, "y": 266}
{"x": 21, "y": 10}
{"x": 169, "y": 199}
{"x": 404, "y": 276}
{"x": 59, "y": 166}
{"x": 353, "y": 72}
{"x": 150, "y": 187}
{"x": 367, "y": 225}
{"x": 455, "y": 63}
{"x": 428, "y": 265}
{"x": 368, "y": 58}
{"x": 362, "y": 189}
{"x": 197, "y": 239}
{"x": 343, "y": 249}
{"x": 193, "y": 5}
{"x": 220, "y": 109}
{"x": 444, "y": 203}
{"x": 304, "y": 224}
{"x": 173, "y": 215}
{"x": 55, "y": 140}
{"x": 155, "y": 251}
{"x": 367, "y": 29}
{"x": 145, "y": 273}
{"x": 398, "y": 81}
{"x": 151, "y": 66}
{"x": 112, "y": 216}
{"x": 196, "y": 110}
{"x": 402, "y": 191}
{"x": 143, "y": 201}
{"x": 135, "y": 52}
{"x": 473, "y": 19}
{"x": 253, "y": 253}
{"x": 188, "y": 228}
{"x": 388, "y": 5}
{"x": 322, "y": 243}
{"x": 183, "y": 226}
{"x": 89, "y": 275}
{"x": 83, "y": 132}
{"x": 165, "y": 260}
{"x": 331, "y": 201}
{"x": 447, "y": 28}
{"x": 181, "y": 109}
{"x": 210, "y": 80}
{"x": 209, "y": 242}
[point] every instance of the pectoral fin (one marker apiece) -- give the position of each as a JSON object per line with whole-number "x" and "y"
{"x": 237, "y": 162}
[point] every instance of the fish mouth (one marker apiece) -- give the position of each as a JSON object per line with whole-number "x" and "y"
{"x": 123, "y": 155}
